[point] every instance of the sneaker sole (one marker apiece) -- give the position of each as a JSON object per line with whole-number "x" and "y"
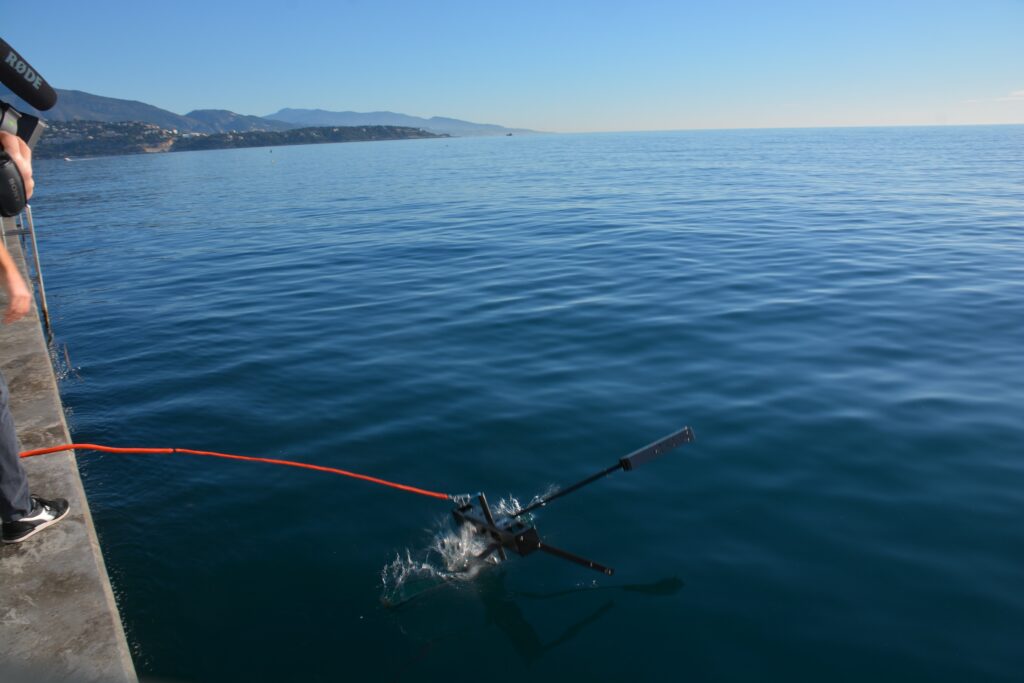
{"x": 39, "y": 528}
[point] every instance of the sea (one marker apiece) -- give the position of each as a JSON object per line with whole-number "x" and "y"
{"x": 838, "y": 314}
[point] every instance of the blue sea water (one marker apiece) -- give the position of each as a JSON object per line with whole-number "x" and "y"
{"x": 838, "y": 313}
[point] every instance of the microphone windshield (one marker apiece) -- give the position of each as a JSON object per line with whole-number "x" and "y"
{"x": 23, "y": 80}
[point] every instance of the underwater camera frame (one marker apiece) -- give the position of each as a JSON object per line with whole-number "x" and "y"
{"x": 514, "y": 535}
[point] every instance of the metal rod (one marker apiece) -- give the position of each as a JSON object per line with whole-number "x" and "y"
{"x": 490, "y": 520}
{"x": 627, "y": 462}
{"x": 566, "y": 491}
{"x": 566, "y": 555}
{"x": 39, "y": 272}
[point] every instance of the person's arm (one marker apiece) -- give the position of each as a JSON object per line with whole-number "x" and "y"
{"x": 22, "y": 157}
{"x": 20, "y": 298}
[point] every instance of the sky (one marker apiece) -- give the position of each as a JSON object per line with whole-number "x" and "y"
{"x": 559, "y": 65}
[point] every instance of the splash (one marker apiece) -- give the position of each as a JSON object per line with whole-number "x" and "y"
{"x": 510, "y": 506}
{"x": 60, "y": 359}
{"x": 451, "y": 558}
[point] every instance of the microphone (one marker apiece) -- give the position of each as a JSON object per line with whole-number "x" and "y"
{"x": 23, "y": 80}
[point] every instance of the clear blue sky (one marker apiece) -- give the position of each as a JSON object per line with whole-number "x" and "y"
{"x": 555, "y": 65}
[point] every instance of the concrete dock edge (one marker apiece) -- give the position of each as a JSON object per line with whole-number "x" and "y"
{"x": 58, "y": 617}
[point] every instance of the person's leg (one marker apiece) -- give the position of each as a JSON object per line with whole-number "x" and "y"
{"x": 15, "y": 501}
{"x": 23, "y": 515}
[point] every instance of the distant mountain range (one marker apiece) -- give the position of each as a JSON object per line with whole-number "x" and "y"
{"x": 435, "y": 124}
{"x": 75, "y": 105}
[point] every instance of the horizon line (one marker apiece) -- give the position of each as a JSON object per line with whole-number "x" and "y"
{"x": 808, "y": 127}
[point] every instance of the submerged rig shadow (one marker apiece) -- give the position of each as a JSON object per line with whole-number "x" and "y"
{"x": 662, "y": 588}
{"x": 502, "y": 609}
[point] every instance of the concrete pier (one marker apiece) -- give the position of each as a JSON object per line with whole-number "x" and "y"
{"x": 58, "y": 618}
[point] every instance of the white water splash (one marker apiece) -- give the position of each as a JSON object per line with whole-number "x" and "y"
{"x": 452, "y": 556}
{"x": 510, "y": 506}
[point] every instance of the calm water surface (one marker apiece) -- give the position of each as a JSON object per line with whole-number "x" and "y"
{"x": 839, "y": 314}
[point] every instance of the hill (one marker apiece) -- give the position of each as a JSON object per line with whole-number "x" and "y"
{"x": 77, "y": 139}
{"x": 224, "y": 121}
{"x": 76, "y": 105}
{"x": 298, "y": 136}
{"x": 435, "y": 124}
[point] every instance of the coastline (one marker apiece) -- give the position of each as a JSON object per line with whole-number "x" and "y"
{"x": 86, "y": 139}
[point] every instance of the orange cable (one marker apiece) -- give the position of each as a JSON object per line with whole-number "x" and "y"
{"x": 229, "y": 456}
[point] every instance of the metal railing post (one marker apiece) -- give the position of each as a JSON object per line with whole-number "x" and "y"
{"x": 39, "y": 271}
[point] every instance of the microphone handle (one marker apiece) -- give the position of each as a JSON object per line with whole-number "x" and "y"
{"x": 23, "y": 80}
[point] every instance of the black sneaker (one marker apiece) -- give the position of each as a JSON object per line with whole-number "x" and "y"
{"x": 44, "y": 513}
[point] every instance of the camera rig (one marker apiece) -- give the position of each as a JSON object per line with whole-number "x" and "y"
{"x": 27, "y": 127}
{"x": 26, "y": 83}
{"x": 515, "y": 535}
{"x": 12, "y": 185}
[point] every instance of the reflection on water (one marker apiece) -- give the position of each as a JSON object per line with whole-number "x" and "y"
{"x": 501, "y": 610}
{"x": 662, "y": 588}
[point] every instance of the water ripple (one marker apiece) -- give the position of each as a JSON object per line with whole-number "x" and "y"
{"x": 837, "y": 313}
